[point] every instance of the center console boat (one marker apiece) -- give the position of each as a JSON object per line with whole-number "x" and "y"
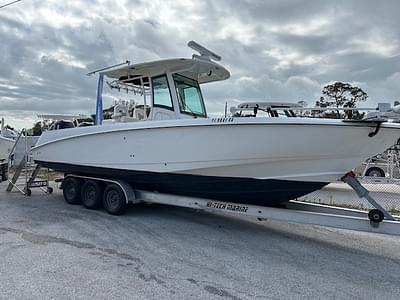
{"x": 171, "y": 146}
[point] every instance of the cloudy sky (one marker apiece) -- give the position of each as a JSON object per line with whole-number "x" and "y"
{"x": 275, "y": 49}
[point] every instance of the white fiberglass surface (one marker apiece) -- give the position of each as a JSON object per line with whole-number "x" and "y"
{"x": 50, "y": 136}
{"x": 6, "y": 145}
{"x": 201, "y": 70}
{"x": 266, "y": 149}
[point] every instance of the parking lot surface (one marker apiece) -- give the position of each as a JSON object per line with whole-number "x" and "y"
{"x": 49, "y": 249}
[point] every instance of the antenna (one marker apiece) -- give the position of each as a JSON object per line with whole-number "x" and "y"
{"x": 106, "y": 68}
{"x": 226, "y": 109}
{"x": 204, "y": 52}
{"x": 7, "y": 4}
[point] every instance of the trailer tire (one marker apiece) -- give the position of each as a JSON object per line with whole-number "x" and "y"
{"x": 72, "y": 190}
{"x": 375, "y": 172}
{"x": 114, "y": 200}
{"x": 91, "y": 194}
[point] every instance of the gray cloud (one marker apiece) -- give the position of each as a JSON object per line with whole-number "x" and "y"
{"x": 276, "y": 50}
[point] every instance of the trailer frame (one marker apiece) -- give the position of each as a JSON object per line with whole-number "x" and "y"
{"x": 293, "y": 212}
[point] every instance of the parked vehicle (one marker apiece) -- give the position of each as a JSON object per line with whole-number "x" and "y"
{"x": 386, "y": 164}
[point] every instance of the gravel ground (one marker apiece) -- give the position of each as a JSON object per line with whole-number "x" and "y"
{"x": 49, "y": 249}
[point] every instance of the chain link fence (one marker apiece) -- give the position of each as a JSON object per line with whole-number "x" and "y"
{"x": 380, "y": 175}
{"x": 386, "y": 191}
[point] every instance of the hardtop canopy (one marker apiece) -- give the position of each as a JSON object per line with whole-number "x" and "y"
{"x": 199, "y": 69}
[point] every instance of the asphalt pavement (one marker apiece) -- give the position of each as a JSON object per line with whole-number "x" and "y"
{"x": 49, "y": 249}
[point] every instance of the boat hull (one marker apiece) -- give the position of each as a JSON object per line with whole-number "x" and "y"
{"x": 6, "y": 146}
{"x": 238, "y": 160}
{"x": 265, "y": 192}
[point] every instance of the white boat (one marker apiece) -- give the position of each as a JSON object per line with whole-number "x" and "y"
{"x": 173, "y": 147}
{"x": 7, "y": 141}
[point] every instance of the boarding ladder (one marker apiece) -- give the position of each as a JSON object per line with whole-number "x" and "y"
{"x": 27, "y": 174}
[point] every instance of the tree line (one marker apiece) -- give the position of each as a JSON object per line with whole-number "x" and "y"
{"x": 341, "y": 95}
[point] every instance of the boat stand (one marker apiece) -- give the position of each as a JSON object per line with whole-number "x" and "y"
{"x": 27, "y": 174}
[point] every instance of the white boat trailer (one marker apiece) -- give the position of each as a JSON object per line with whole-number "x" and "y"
{"x": 295, "y": 212}
{"x": 119, "y": 193}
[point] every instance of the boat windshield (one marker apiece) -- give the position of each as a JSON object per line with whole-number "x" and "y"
{"x": 189, "y": 96}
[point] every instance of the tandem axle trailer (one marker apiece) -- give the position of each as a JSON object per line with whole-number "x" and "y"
{"x": 115, "y": 194}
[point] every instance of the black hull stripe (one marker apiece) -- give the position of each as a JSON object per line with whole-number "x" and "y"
{"x": 265, "y": 192}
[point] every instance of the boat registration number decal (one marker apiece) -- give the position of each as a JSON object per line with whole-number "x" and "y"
{"x": 221, "y": 120}
{"x": 227, "y": 206}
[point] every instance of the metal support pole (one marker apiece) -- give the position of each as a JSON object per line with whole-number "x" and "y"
{"x": 362, "y": 192}
{"x": 144, "y": 98}
{"x": 99, "y": 102}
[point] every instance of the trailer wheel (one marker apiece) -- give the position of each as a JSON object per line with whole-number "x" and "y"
{"x": 91, "y": 194}
{"x": 114, "y": 200}
{"x": 375, "y": 172}
{"x": 72, "y": 190}
{"x": 375, "y": 215}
